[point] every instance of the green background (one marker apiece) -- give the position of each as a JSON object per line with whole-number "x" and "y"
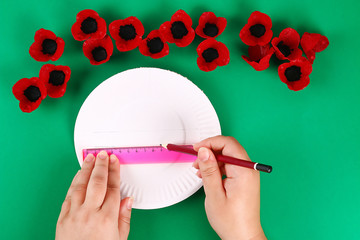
{"x": 310, "y": 137}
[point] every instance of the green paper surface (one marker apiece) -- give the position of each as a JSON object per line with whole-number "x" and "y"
{"x": 311, "y": 137}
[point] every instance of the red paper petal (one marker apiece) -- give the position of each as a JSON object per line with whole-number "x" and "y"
{"x": 299, "y": 85}
{"x": 205, "y": 66}
{"x": 259, "y": 57}
{"x": 310, "y": 56}
{"x": 42, "y": 34}
{"x": 258, "y": 52}
{"x": 313, "y": 42}
{"x": 259, "y": 17}
{"x": 224, "y": 54}
{"x": 186, "y": 40}
{"x": 290, "y": 37}
{"x": 61, "y": 45}
{"x": 36, "y": 53}
{"x": 166, "y": 32}
{"x": 124, "y": 46}
{"x": 182, "y": 16}
{"x": 207, "y": 17}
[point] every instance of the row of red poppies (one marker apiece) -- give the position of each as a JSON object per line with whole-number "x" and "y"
{"x": 128, "y": 35}
{"x": 257, "y": 35}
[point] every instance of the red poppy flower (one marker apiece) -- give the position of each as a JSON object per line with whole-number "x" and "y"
{"x": 257, "y": 31}
{"x": 47, "y": 46}
{"x": 286, "y": 45}
{"x": 210, "y": 26}
{"x": 154, "y": 45}
{"x": 312, "y": 43}
{"x": 127, "y": 33}
{"x": 88, "y": 25}
{"x": 212, "y": 54}
{"x": 178, "y": 30}
{"x": 55, "y": 79}
{"x": 30, "y": 92}
{"x": 98, "y": 51}
{"x": 296, "y": 73}
{"x": 259, "y": 56}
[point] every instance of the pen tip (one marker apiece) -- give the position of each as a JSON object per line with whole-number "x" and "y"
{"x": 163, "y": 145}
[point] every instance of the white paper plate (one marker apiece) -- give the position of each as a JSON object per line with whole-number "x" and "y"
{"x": 146, "y": 107}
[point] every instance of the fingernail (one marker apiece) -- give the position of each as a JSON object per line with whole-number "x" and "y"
{"x": 113, "y": 158}
{"x": 102, "y": 155}
{"x": 130, "y": 203}
{"x": 203, "y": 154}
{"x": 90, "y": 157}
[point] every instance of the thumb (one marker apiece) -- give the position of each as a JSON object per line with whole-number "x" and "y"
{"x": 210, "y": 173}
{"x": 124, "y": 217}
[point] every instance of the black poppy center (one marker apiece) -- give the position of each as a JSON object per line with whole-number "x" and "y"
{"x": 284, "y": 49}
{"x": 99, "y": 54}
{"x": 57, "y": 78}
{"x": 127, "y": 32}
{"x": 89, "y": 25}
{"x": 257, "y": 30}
{"x": 210, "y": 54}
{"x": 32, "y": 93}
{"x": 155, "y": 45}
{"x": 49, "y": 46}
{"x": 293, "y": 73}
{"x": 210, "y": 30}
{"x": 178, "y": 30}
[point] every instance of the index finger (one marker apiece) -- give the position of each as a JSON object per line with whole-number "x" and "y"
{"x": 224, "y": 145}
{"x": 227, "y": 146}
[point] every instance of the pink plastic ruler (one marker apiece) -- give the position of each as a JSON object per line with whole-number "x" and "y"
{"x": 144, "y": 155}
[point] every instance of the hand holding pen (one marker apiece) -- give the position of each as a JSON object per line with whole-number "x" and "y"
{"x": 232, "y": 204}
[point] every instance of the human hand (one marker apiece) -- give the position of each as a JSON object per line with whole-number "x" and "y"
{"x": 93, "y": 208}
{"x": 232, "y": 205}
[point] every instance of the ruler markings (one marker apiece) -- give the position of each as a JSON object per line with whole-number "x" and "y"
{"x": 144, "y": 155}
